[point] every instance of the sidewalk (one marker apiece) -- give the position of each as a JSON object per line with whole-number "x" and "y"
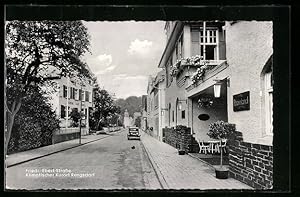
{"x": 21, "y": 157}
{"x": 183, "y": 171}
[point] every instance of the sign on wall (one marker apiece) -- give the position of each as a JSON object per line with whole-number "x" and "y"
{"x": 241, "y": 101}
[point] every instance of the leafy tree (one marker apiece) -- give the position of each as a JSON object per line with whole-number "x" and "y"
{"x": 34, "y": 123}
{"x": 75, "y": 116}
{"x": 104, "y": 108}
{"x": 132, "y": 104}
{"x": 37, "y": 52}
{"x": 137, "y": 122}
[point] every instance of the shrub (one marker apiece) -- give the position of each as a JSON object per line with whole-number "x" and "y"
{"x": 34, "y": 123}
{"x": 75, "y": 116}
{"x": 220, "y": 130}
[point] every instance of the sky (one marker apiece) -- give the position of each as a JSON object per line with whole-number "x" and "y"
{"x": 124, "y": 54}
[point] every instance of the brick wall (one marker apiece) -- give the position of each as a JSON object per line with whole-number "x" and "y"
{"x": 250, "y": 163}
{"x": 181, "y": 139}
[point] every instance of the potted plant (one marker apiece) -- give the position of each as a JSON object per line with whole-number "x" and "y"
{"x": 221, "y": 130}
{"x": 180, "y": 129}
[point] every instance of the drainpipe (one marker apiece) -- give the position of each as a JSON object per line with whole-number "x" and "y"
{"x": 204, "y": 40}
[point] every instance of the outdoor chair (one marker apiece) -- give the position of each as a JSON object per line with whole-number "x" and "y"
{"x": 222, "y": 145}
{"x": 203, "y": 147}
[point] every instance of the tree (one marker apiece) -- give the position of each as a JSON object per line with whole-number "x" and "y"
{"x": 34, "y": 123}
{"x": 220, "y": 130}
{"x": 132, "y": 104}
{"x": 104, "y": 108}
{"x": 37, "y": 52}
{"x": 137, "y": 122}
{"x": 75, "y": 116}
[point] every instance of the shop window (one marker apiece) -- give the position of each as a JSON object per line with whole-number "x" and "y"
{"x": 183, "y": 114}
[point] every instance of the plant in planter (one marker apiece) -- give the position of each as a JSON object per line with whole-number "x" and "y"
{"x": 221, "y": 130}
{"x": 181, "y": 129}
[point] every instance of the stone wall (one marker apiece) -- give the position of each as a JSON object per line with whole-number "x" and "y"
{"x": 181, "y": 139}
{"x": 64, "y": 137}
{"x": 251, "y": 163}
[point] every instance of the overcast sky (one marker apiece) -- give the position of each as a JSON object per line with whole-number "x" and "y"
{"x": 124, "y": 54}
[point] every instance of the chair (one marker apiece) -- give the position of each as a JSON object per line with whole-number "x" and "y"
{"x": 222, "y": 145}
{"x": 203, "y": 147}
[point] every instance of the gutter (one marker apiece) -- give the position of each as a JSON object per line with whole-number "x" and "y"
{"x": 168, "y": 44}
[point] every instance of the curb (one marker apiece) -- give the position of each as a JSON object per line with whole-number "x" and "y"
{"x": 159, "y": 175}
{"x": 51, "y": 153}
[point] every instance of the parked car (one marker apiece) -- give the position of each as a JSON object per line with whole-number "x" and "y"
{"x": 133, "y": 133}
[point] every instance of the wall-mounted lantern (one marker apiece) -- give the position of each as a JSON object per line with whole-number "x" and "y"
{"x": 163, "y": 111}
{"x": 179, "y": 103}
{"x": 217, "y": 88}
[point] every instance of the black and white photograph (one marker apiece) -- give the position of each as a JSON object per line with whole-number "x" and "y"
{"x": 139, "y": 105}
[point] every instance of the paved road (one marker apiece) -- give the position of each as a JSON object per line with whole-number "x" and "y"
{"x": 110, "y": 163}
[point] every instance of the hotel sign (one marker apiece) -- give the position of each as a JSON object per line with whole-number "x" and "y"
{"x": 241, "y": 101}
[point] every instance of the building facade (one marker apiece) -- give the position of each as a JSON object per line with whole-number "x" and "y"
{"x": 155, "y": 104}
{"x": 73, "y": 93}
{"x": 144, "y": 124}
{"x": 238, "y": 57}
{"x": 127, "y": 119}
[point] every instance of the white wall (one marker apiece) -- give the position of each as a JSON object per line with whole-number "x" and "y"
{"x": 249, "y": 46}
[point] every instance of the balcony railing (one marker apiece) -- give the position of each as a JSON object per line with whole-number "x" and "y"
{"x": 195, "y": 64}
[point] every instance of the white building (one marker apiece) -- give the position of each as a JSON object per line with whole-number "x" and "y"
{"x": 72, "y": 93}
{"x": 155, "y": 104}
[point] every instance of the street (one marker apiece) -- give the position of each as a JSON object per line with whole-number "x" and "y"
{"x": 110, "y": 163}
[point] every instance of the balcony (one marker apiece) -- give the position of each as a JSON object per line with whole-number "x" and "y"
{"x": 192, "y": 64}
{"x": 203, "y": 76}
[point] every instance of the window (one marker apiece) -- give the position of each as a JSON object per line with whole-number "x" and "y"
{"x": 70, "y": 92}
{"x": 87, "y": 96}
{"x": 156, "y": 101}
{"x": 65, "y": 91}
{"x": 81, "y": 95}
{"x": 180, "y": 47}
{"x": 205, "y": 42}
{"x": 173, "y": 116}
{"x": 169, "y": 77}
{"x": 183, "y": 114}
{"x": 169, "y": 112}
{"x": 75, "y": 93}
{"x": 269, "y": 102}
{"x": 62, "y": 111}
{"x": 69, "y": 111}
